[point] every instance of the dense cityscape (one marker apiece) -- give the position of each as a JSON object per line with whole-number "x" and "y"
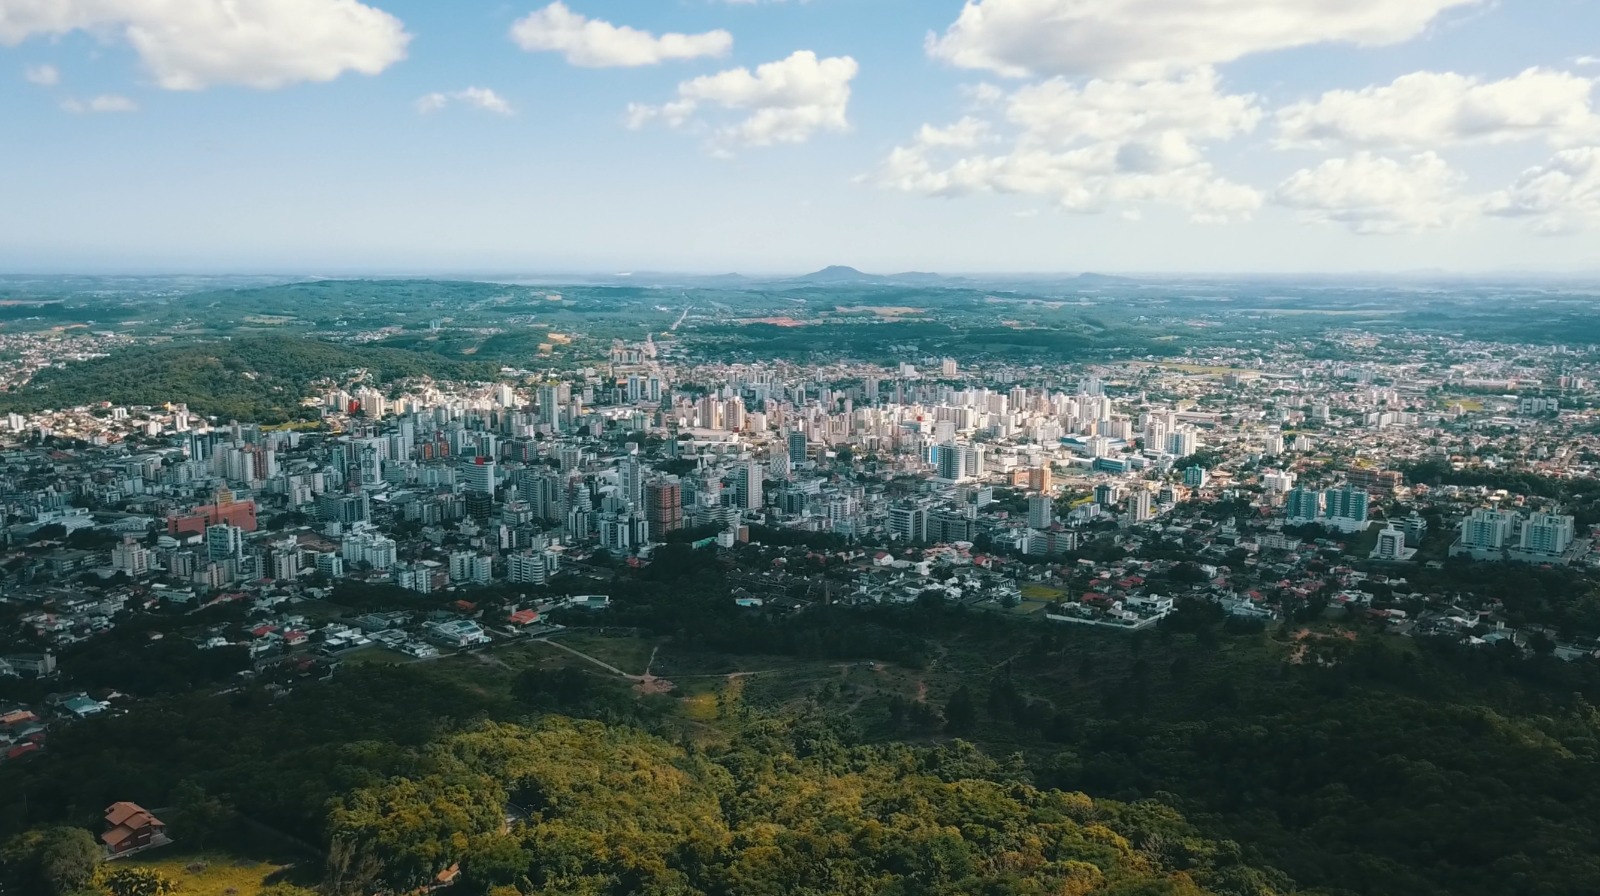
{"x": 1335, "y": 491}
{"x": 1061, "y": 493}
{"x": 800, "y": 448}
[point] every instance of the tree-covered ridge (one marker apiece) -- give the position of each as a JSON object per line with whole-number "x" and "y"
{"x": 583, "y": 808}
{"x": 260, "y": 379}
{"x": 1377, "y": 766}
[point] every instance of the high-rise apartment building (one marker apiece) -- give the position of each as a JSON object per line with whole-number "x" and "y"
{"x": 1547, "y": 534}
{"x": 1303, "y": 505}
{"x": 747, "y": 482}
{"x": 663, "y": 506}
{"x": 1487, "y": 530}
{"x": 1041, "y": 511}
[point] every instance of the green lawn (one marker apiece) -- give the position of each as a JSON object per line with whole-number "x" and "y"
{"x": 629, "y": 654}
{"x": 1035, "y": 591}
{"x": 214, "y": 874}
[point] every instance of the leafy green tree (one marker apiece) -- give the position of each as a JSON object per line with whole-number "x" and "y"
{"x": 961, "y": 711}
{"x": 202, "y": 817}
{"x": 58, "y": 860}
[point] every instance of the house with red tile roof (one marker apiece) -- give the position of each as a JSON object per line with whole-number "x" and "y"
{"x": 129, "y": 828}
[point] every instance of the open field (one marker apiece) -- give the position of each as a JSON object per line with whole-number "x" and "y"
{"x": 629, "y": 654}
{"x": 882, "y": 310}
{"x": 376, "y": 656}
{"x": 219, "y": 874}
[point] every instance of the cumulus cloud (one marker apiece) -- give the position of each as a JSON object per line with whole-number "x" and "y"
{"x": 1560, "y": 196}
{"x": 1193, "y": 106}
{"x": 596, "y": 44}
{"x": 1143, "y": 39}
{"x": 199, "y": 43}
{"x": 42, "y": 75}
{"x": 1089, "y": 147}
{"x": 1372, "y": 194}
{"x": 967, "y": 133}
{"x": 787, "y": 101}
{"x": 107, "y": 102}
{"x": 476, "y": 97}
{"x": 1435, "y": 109}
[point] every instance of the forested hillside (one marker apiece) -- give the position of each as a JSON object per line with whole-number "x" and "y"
{"x": 1349, "y": 760}
{"x": 788, "y": 809}
{"x": 259, "y": 379}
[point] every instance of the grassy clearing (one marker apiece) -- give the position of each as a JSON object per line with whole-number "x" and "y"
{"x": 700, "y": 707}
{"x": 629, "y": 654}
{"x": 216, "y": 874}
{"x": 376, "y": 656}
{"x": 1035, "y": 591}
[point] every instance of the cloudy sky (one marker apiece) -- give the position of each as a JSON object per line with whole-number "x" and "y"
{"x": 783, "y": 135}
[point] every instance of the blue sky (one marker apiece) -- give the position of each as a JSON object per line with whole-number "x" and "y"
{"x": 400, "y": 136}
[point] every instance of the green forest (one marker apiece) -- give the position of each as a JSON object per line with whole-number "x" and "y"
{"x": 259, "y": 379}
{"x": 1218, "y": 758}
{"x": 787, "y": 808}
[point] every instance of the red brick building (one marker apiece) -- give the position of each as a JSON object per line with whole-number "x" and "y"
{"x": 224, "y": 510}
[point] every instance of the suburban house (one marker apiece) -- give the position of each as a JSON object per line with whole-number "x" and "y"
{"x": 455, "y": 633}
{"x": 129, "y": 828}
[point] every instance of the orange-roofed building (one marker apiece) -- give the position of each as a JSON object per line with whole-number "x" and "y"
{"x": 130, "y": 827}
{"x": 241, "y": 514}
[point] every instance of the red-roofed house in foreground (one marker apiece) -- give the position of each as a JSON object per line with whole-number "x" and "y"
{"x": 130, "y": 828}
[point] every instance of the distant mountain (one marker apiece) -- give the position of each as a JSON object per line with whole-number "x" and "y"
{"x": 1092, "y": 278}
{"x": 839, "y": 274}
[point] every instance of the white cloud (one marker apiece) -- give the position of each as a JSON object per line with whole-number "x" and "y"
{"x": 1090, "y": 147}
{"x": 42, "y": 75}
{"x": 1434, "y": 109}
{"x": 1056, "y": 110}
{"x": 194, "y": 44}
{"x": 1372, "y": 194}
{"x": 107, "y": 102}
{"x": 967, "y": 133}
{"x": 787, "y": 101}
{"x": 477, "y": 97}
{"x": 1587, "y": 60}
{"x": 596, "y": 44}
{"x": 1143, "y": 39}
{"x": 1561, "y": 196}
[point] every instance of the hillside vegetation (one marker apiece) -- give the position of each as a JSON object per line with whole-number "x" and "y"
{"x": 788, "y": 811}
{"x": 259, "y": 379}
{"x": 1348, "y": 760}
